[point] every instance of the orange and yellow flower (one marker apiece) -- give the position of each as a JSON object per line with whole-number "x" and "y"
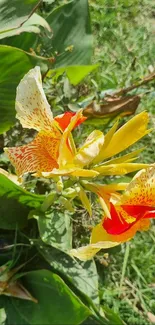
{"x": 53, "y": 151}
{"x": 128, "y": 213}
{"x": 33, "y": 111}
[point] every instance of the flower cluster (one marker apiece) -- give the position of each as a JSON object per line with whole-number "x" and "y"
{"x": 53, "y": 152}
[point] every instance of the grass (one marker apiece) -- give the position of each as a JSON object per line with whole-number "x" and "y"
{"x": 124, "y": 47}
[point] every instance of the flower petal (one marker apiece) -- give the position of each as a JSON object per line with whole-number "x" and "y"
{"x": 141, "y": 190}
{"x": 119, "y": 169}
{"x": 70, "y": 170}
{"x": 125, "y": 158}
{"x": 100, "y": 239}
{"x": 119, "y": 222}
{"x": 64, "y": 119}
{"x": 90, "y": 149}
{"x": 149, "y": 214}
{"x": 84, "y": 199}
{"x": 127, "y": 135}
{"x": 66, "y": 154}
{"x": 32, "y": 107}
{"x": 37, "y": 156}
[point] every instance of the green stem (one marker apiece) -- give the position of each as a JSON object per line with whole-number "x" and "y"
{"x": 126, "y": 256}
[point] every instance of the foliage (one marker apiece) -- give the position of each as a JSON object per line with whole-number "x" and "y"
{"x": 41, "y": 219}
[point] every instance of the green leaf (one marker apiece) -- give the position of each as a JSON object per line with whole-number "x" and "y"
{"x": 2, "y": 316}
{"x": 55, "y": 229}
{"x": 56, "y": 305}
{"x": 83, "y": 275}
{"x": 111, "y": 316}
{"x": 14, "y": 14}
{"x": 24, "y": 41}
{"x": 15, "y": 204}
{"x": 14, "y": 65}
{"x": 31, "y": 25}
{"x": 75, "y": 73}
{"x": 72, "y": 38}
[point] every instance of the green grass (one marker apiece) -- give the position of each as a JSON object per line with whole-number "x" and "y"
{"x": 124, "y": 47}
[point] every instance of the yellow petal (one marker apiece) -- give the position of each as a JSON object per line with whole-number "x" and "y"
{"x": 105, "y": 206}
{"x": 105, "y": 192}
{"x": 32, "y": 107}
{"x": 141, "y": 190}
{"x": 88, "y": 252}
{"x": 105, "y": 188}
{"x": 90, "y": 149}
{"x": 85, "y": 173}
{"x": 84, "y": 199}
{"x": 125, "y": 158}
{"x": 127, "y": 135}
{"x": 66, "y": 154}
{"x": 119, "y": 169}
{"x": 77, "y": 172}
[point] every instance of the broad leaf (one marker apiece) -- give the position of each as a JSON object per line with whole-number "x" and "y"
{"x": 111, "y": 316}
{"x": 56, "y": 302}
{"x": 83, "y": 275}
{"x": 24, "y": 41}
{"x": 15, "y": 204}
{"x": 56, "y": 230}
{"x": 31, "y": 25}
{"x": 14, "y": 65}
{"x": 2, "y": 316}
{"x": 72, "y": 39}
{"x": 13, "y": 14}
{"x": 75, "y": 73}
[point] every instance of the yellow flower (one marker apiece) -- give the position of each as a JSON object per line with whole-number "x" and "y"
{"x": 53, "y": 151}
{"x": 53, "y": 143}
{"x": 128, "y": 213}
{"x": 98, "y": 147}
{"x": 116, "y": 142}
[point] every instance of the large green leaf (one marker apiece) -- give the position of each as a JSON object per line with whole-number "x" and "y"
{"x": 56, "y": 305}
{"x": 24, "y": 41}
{"x": 111, "y": 316}
{"x": 56, "y": 230}
{"x": 13, "y": 14}
{"x": 31, "y": 25}
{"x": 15, "y": 204}
{"x": 14, "y": 64}
{"x": 2, "y": 316}
{"x": 74, "y": 73}
{"x": 72, "y": 38}
{"x": 83, "y": 275}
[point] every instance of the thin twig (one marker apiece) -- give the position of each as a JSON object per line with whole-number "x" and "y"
{"x": 134, "y": 86}
{"x": 126, "y": 256}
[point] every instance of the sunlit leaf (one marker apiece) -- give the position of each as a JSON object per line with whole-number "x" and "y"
{"x": 14, "y": 64}
{"x": 15, "y": 204}
{"x": 75, "y": 73}
{"x": 72, "y": 38}
{"x": 55, "y": 229}
{"x": 82, "y": 275}
{"x": 56, "y": 302}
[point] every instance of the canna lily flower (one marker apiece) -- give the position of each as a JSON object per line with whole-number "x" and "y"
{"x": 98, "y": 147}
{"x": 53, "y": 151}
{"x": 116, "y": 141}
{"x": 128, "y": 213}
{"x": 44, "y": 153}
